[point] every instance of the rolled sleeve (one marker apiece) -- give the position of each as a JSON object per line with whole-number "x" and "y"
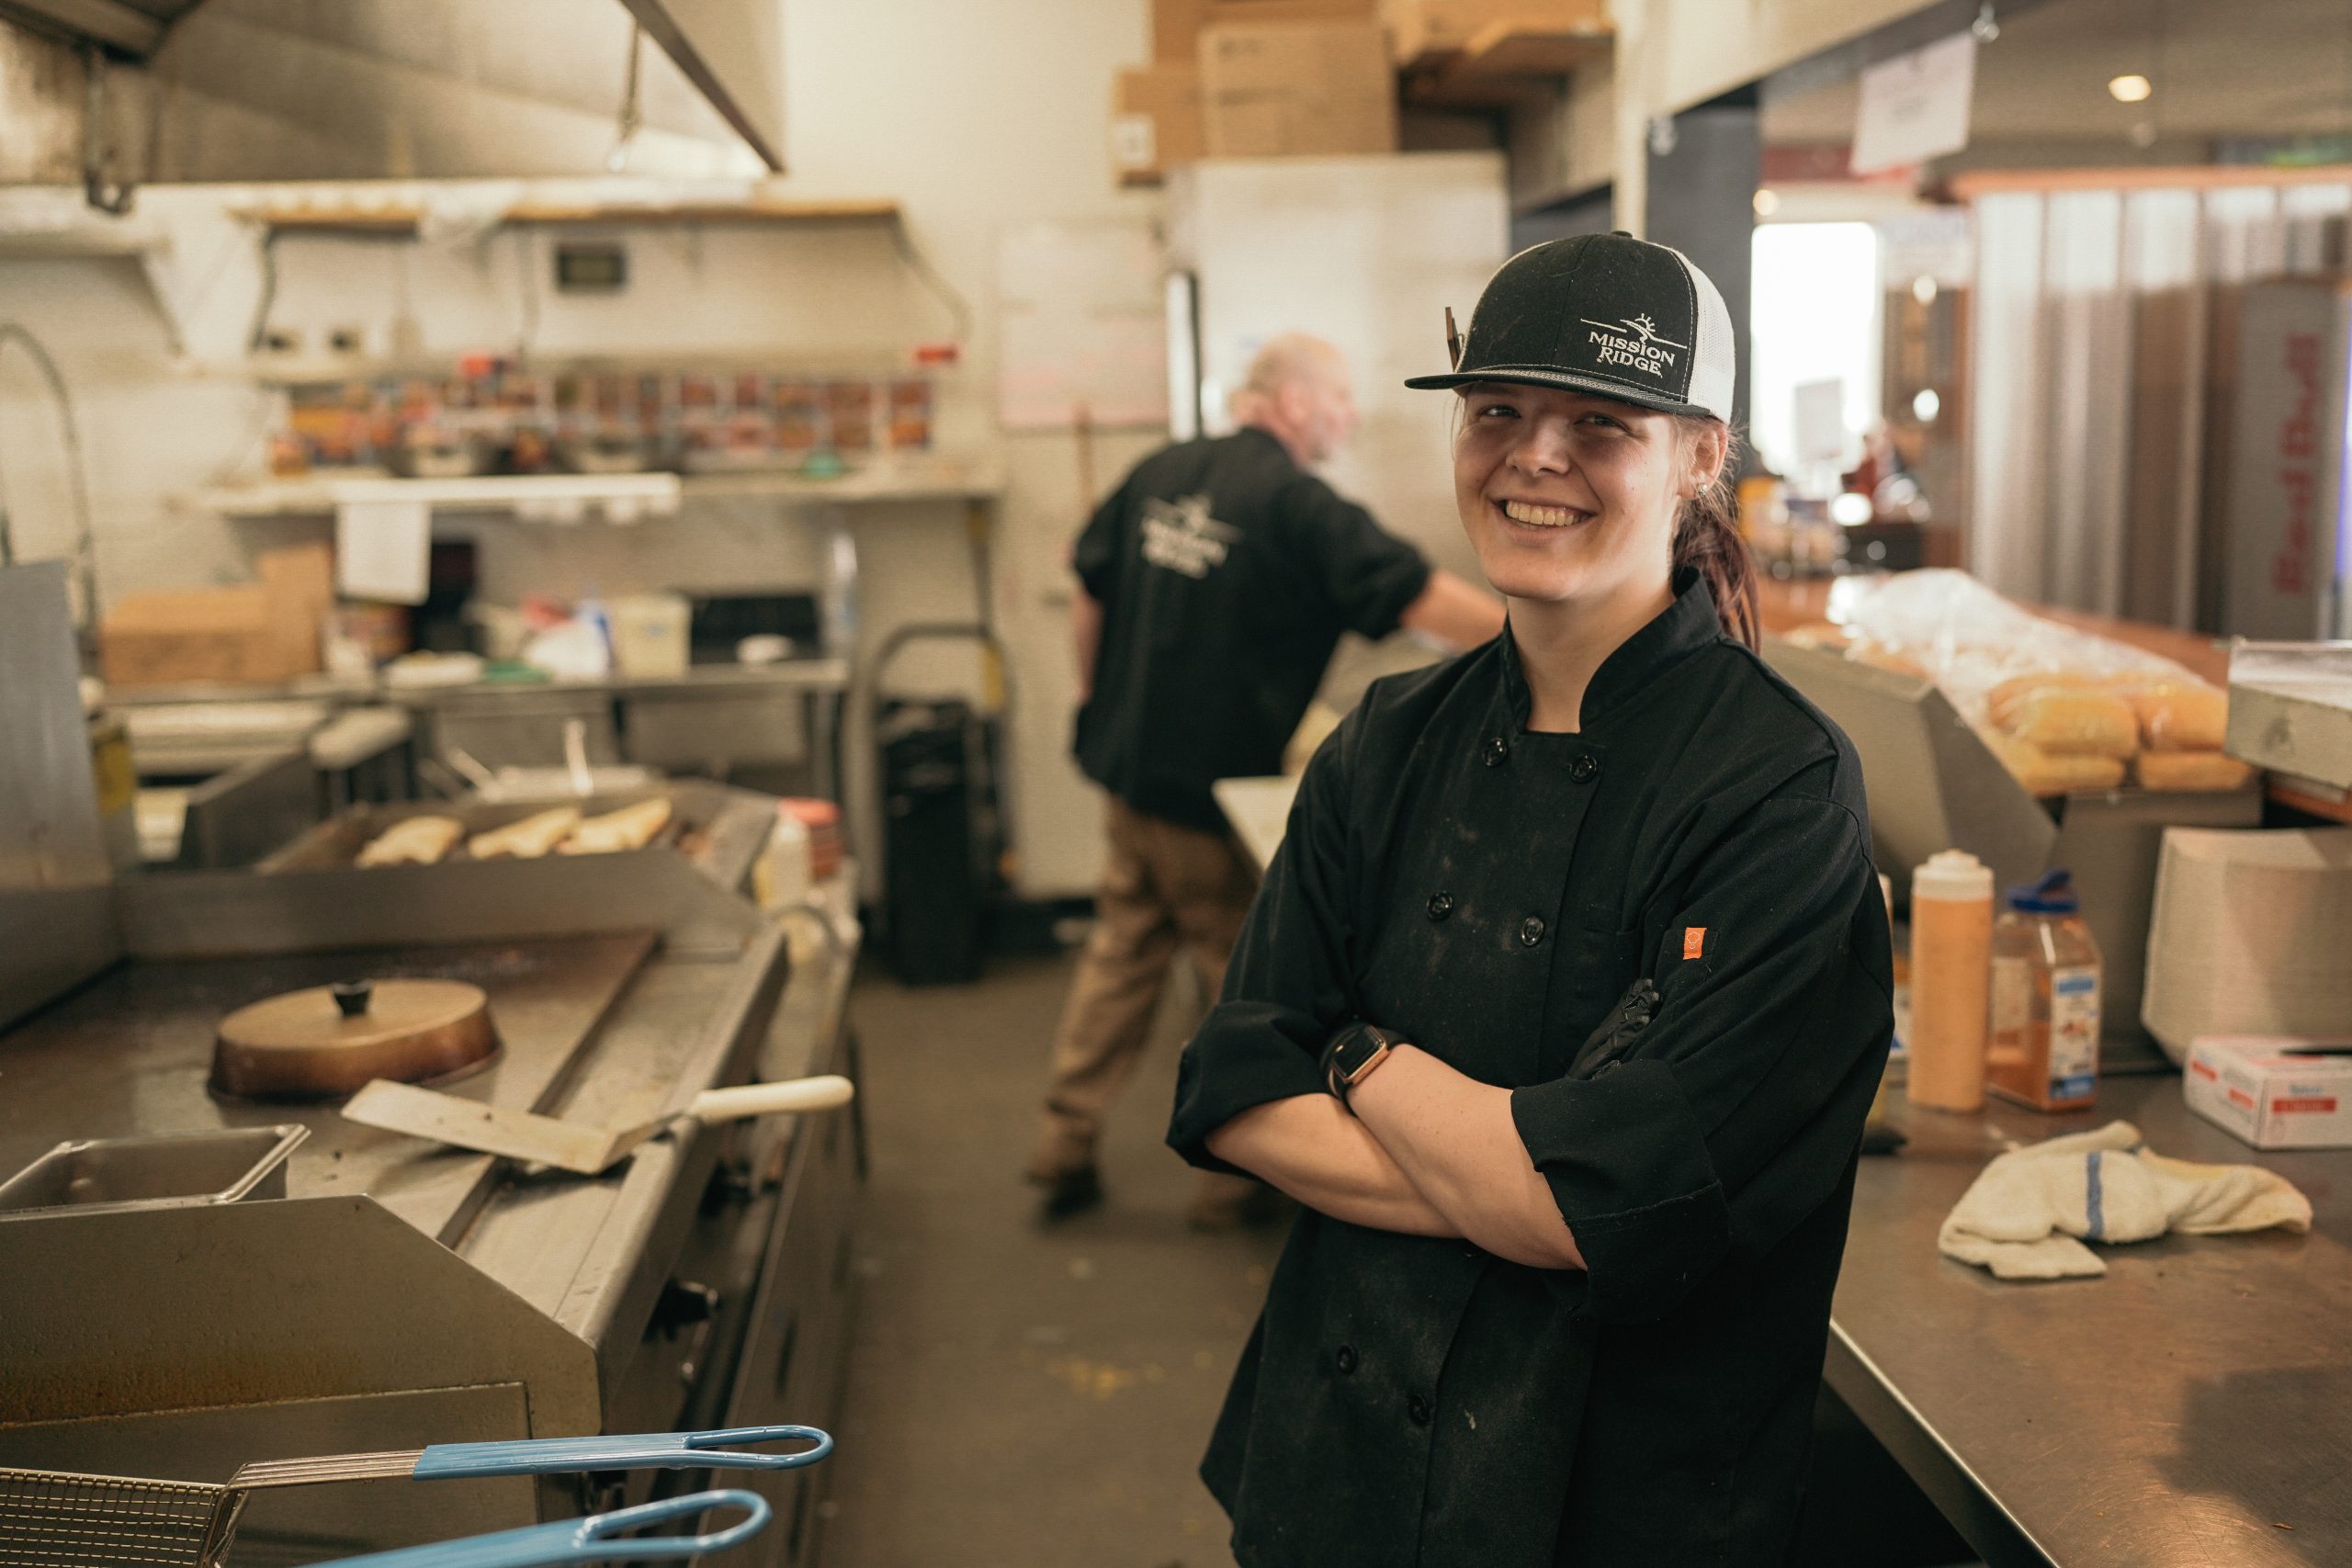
{"x": 1740, "y": 1107}
{"x": 1095, "y": 555}
{"x": 1369, "y": 575}
{"x": 1286, "y": 989}
{"x": 1627, "y": 1162}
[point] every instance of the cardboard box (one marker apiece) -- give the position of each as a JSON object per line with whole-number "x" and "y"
{"x": 1156, "y": 122}
{"x": 2287, "y": 500}
{"x": 256, "y": 634}
{"x": 1419, "y": 29}
{"x": 1176, "y": 32}
{"x": 1176, "y": 24}
{"x": 2274, "y": 1091}
{"x": 191, "y": 635}
{"x": 1221, "y": 12}
{"x": 1308, "y": 89}
{"x": 2247, "y": 936}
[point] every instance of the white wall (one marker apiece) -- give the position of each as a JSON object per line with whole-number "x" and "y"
{"x": 974, "y": 116}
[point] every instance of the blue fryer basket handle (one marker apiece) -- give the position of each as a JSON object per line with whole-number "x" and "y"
{"x": 596, "y": 1538}
{"x": 657, "y": 1451}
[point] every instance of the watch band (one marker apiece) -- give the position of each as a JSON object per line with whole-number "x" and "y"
{"x": 1352, "y": 1056}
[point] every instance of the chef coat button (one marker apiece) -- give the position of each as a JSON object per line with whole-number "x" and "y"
{"x": 1583, "y": 769}
{"x": 1347, "y": 1359}
{"x": 1417, "y": 1410}
{"x": 1531, "y": 931}
{"x": 1441, "y": 905}
{"x": 1498, "y": 752}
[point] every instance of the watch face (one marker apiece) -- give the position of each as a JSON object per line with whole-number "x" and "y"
{"x": 1361, "y": 1052}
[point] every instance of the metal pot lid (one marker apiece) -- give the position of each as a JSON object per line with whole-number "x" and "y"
{"x": 353, "y": 1015}
{"x": 329, "y": 1040}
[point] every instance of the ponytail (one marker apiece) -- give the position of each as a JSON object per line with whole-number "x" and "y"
{"x": 1707, "y": 540}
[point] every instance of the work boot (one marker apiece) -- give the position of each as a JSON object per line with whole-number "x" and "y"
{"x": 1222, "y": 1202}
{"x": 1068, "y": 1192}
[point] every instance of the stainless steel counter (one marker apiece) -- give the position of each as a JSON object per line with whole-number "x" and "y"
{"x": 2192, "y": 1408}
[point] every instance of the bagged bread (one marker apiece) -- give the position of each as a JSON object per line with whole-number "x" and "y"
{"x": 2190, "y": 770}
{"x": 527, "y": 840}
{"x": 2076, "y": 722}
{"x": 1879, "y": 656}
{"x": 2181, "y": 717}
{"x": 2051, "y": 773}
{"x": 1819, "y": 634}
{"x": 2001, "y": 702}
{"x": 416, "y": 840}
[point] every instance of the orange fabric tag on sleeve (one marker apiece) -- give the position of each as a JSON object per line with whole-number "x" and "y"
{"x": 1694, "y": 941}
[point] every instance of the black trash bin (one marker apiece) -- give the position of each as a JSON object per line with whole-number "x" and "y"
{"x": 945, "y": 839}
{"x": 941, "y": 846}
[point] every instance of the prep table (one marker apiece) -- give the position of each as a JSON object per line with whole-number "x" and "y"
{"x": 2192, "y": 1408}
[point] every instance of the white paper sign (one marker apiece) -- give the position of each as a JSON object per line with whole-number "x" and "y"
{"x": 383, "y": 549}
{"x": 1820, "y": 420}
{"x": 1915, "y": 106}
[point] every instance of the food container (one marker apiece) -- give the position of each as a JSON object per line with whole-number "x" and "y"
{"x": 169, "y": 1171}
{"x": 2272, "y": 1092}
{"x": 649, "y": 635}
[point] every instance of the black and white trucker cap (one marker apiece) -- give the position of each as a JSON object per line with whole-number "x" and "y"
{"x": 1602, "y": 313}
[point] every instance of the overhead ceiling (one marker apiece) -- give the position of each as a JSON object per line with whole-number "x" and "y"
{"x": 2255, "y": 69}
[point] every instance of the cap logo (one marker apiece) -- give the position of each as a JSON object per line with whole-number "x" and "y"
{"x": 1633, "y": 343}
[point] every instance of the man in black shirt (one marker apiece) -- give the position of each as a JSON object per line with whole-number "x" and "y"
{"x": 1214, "y": 583}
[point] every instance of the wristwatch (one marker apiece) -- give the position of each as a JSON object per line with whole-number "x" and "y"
{"x": 1353, "y": 1054}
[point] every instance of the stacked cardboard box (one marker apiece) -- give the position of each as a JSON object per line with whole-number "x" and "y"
{"x": 259, "y": 634}
{"x": 1419, "y": 29}
{"x": 1254, "y": 78}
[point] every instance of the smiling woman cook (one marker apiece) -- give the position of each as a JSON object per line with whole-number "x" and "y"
{"x": 1560, "y": 1009}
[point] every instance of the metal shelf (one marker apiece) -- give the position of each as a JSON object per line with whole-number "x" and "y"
{"x": 490, "y": 492}
{"x": 403, "y": 221}
{"x": 658, "y": 493}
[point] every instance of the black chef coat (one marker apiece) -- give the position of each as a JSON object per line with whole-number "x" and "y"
{"x": 1490, "y": 894}
{"x": 1226, "y": 573}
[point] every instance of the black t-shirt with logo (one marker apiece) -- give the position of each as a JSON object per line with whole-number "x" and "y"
{"x": 1226, "y": 573}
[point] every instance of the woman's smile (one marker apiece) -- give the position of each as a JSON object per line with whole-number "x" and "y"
{"x": 1542, "y": 514}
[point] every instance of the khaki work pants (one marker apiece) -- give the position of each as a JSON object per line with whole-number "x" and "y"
{"x": 1167, "y": 886}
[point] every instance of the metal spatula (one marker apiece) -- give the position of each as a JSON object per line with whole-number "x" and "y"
{"x": 571, "y": 1145}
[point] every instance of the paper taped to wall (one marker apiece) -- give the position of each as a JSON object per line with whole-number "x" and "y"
{"x": 382, "y": 549}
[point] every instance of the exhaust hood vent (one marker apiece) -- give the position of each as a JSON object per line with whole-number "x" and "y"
{"x": 127, "y": 29}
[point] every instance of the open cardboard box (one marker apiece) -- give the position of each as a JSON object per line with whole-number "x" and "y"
{"x": 1933, "y": 784}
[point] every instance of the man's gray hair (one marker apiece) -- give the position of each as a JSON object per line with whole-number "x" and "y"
{"x": 1293, "y": 356}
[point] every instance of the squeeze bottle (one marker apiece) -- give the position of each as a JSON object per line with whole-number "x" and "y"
{"x": 1952, "y": 980}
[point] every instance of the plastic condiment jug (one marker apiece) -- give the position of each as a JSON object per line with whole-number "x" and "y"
{"x": 2046, "y": 982}
{"x": 1952, "y": 980}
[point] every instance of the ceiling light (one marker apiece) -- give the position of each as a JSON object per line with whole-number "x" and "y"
{"x": 1768, "y": 202}
{"x": 1923, "y": 288}
{"x": 1926, "y": 405}
{"x": 2130, "y": 89}
{"x": 1850, "y": 508}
